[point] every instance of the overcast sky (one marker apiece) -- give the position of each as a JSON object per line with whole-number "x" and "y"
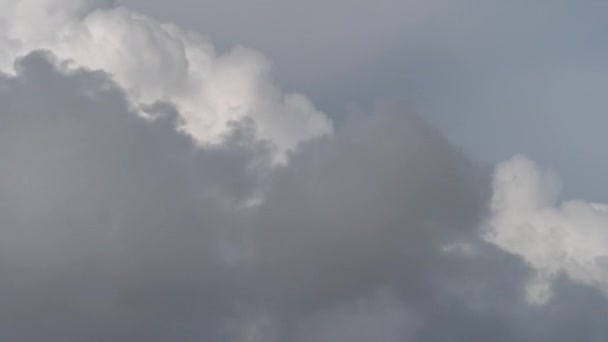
{"x": 303, "y": 171}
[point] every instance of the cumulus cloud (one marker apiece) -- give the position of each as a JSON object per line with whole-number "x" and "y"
{"x": 555, "y": 238}
{"x": 159, "y": 62}
{"x": 119, "y": 227}
{"x": 111, "y": 222}
{"x": 122, "y": 228}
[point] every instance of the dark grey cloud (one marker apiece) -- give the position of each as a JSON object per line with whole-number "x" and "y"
{"x": 110, "y": 223}
{"x": 121, "y": 228}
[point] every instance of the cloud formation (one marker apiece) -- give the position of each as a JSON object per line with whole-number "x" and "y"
{"x": 494, "y": 76}
{"x": 554, "y": 238}
{"x": 159, "y": 62}
{"x": 122, "y": 228}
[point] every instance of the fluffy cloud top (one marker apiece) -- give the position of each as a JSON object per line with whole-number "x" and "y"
{"x": 568, "y": 238}
{"x": 159, "y": 62}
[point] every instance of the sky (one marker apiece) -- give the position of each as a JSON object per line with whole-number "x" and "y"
{"x": 521, "y": 76}
{"x": 303, "y": 171}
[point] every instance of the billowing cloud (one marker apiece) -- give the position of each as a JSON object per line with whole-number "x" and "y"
{"x": 122, "y": 228}
{"x": 119, "y": 227}
{"x": 494, "y": 76}
{"x": 112, "y": 226}
{"x": 555, "y": 238}
{"x": 159, "y": 62}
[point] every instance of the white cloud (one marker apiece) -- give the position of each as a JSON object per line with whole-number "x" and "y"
{"x": 157, "y": 61}
{"x": 555, "y": 238}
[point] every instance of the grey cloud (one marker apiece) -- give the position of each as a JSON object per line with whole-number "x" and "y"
{"x": 383, "y": 188}
{"x": 110, "y": 222}
{"x": 120, "y": 228}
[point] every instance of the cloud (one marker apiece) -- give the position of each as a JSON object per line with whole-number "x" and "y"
{"x": 118, "y": 227}
{"x": 379, "y": 318}
{"x": 159, "y": 62}
{"x": 385, "y": 191}
{"x": 501, "y": 73}
{"x": 567, "y": 238}
{"x": 112, "y": 226}
{"x": 121, "y": 227}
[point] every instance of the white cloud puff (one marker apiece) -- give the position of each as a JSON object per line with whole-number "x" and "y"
{"x": 159, "y": 62}
{"x": 555, "y": 238}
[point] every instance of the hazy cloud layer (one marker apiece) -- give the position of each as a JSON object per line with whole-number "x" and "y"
{"x": 115, "y": 227}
